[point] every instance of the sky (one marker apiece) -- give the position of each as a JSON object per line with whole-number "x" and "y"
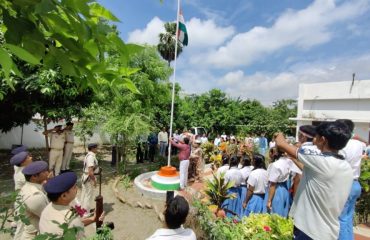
{"x": 257, "y": 49}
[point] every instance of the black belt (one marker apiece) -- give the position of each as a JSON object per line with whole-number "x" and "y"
{"x": 262, "y": 195}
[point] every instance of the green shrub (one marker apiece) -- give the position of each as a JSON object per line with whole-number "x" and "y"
{"x": 253, "y": 227}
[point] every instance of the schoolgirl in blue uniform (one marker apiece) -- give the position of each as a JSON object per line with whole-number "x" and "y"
{"x": 277, "y": 196}
{"x": 246, "y": 169}
{"x": 233, "y": 175}
{"x": 257, "y": 183}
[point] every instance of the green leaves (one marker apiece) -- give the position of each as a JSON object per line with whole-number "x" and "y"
{"x": 22, "y": 54}
{"x": 6, "y": 62}
{"x": 72, "y": 34}
{"x": 99, "y": 11}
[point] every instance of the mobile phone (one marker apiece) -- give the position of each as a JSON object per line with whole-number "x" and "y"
{"x": 169, "y": 196}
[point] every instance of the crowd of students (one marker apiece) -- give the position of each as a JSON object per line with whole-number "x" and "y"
{"x": 314, "y": 181}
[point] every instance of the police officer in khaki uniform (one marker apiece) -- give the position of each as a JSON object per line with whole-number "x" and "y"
{"x": 57, "y": 140}
{"x": 33, "y": 198}
{"x": 61, "y": 191}
{"x": 88, "y": 177}
{"x": 68, "y": 146}
{"x": 20, "y": 161}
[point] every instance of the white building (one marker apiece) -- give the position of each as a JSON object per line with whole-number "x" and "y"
{"x": 31, "y": 135}
{"x": 334, "y": 100}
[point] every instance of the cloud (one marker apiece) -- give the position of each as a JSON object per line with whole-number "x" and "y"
{"x": 268, "y": 87}
{"x": 149, "y": 34}
{"x": 202, "y": 33}
{"x": 300, "y": 29}
{"x": 206, "y": 34}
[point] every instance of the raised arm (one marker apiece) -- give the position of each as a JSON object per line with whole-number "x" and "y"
{"x": 291, "y": 150}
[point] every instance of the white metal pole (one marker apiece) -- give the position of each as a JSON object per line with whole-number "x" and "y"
{"x": 173, "y": 83}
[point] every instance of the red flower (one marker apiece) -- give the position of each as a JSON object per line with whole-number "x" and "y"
{"x": 80, "y": 211}
{"x": 267, "y": 228}
{"x": 235, "y": 221}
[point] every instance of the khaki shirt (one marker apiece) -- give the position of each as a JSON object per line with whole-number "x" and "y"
{"x": 70, "y": 136}
{"x": 90, "y": 161}
{"x": 57, "y": 140}
{"x": 61, "y": 214}
{"x": 35, "y": 200}
{"x": 19, "y": 179}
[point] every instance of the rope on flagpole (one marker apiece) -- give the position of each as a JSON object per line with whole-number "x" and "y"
{"x": 173, "y": 84}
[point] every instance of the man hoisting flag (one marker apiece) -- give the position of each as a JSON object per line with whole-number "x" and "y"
{"x": 182, "y": 36}
{"x": 168, "y": 178}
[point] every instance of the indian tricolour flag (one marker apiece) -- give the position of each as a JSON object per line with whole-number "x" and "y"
{"x": 182, "y": 33}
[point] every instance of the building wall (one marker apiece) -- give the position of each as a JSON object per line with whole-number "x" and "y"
{"x": 334, "y": 100}
{"x": 33, "y": 137}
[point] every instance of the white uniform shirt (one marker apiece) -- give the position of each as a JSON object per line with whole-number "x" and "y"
{"x": 57, "y": 140}
{"x": 163, "y": 137}
{"x": 35, "y": 201}
{"x": 173, "y": 234}
{"x": 279, "y": 171}
{"x": 234, "y": 175}
{"x": 222, "y": 170}
{"x": 352, "y": 153}
{"x": 324, "y": 188}
{"x": 245, "y": 173}
{"x": 19, "y": 179}
{"x": 90, "y": 161}
{"x": 217, "y": 141}
{"x": 307, "y": 145}
{"x": 204, "y": 139}
{"x": 60, "y": 214}
{"x": 70, "y": 136}
{"x": 258, "y": 179}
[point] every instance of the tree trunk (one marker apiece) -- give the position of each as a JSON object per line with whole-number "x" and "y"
{"x": 46, "y": 137}
{"x": 124, "y": 152}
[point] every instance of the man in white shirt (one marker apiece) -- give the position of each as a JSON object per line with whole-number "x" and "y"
{"x": 353, "y": 155}
{"x": 325, "y": 184}
{"x": 177, "y": 210}
{"x": 204, "y": 138}
{"x": 163, "y": 141}
{"x": 217, "y": 140}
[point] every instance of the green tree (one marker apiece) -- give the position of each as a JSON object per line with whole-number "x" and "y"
{"x": 72, "y": 34}
{"x": 167, "y": 43}
{"x": 126, "y": 114}
{"x": 219, "y": 113}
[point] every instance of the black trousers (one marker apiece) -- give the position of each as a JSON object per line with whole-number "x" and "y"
{"x": 151, "y": 152}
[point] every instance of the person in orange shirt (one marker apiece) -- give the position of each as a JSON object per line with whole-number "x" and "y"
{"x": 223, "y": 145}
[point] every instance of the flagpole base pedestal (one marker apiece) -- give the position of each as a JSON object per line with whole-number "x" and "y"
{"x": 166, "y": 179}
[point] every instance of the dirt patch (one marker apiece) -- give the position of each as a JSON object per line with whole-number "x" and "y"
{"x": 131, "y": 223}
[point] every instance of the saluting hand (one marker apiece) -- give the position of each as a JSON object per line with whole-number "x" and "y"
{"x": 280, "y": 139}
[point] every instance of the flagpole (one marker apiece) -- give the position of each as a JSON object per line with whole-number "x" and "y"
{"x": 173, "y": 83}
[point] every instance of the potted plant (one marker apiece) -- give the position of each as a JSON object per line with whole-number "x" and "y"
{"x": 217, "y": 192}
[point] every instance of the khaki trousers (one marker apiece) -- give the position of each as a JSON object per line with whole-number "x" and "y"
{"x": 68, "y": 149}
{"x": 87, "y": 195}
{"x": 55, "y": 160}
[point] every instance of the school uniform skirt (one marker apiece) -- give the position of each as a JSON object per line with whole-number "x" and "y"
{"x": 243, "y": 195}
{"x": 255, "y": 204}
{"x": 281, "y": 202}
{"x": 233, "y": 205}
